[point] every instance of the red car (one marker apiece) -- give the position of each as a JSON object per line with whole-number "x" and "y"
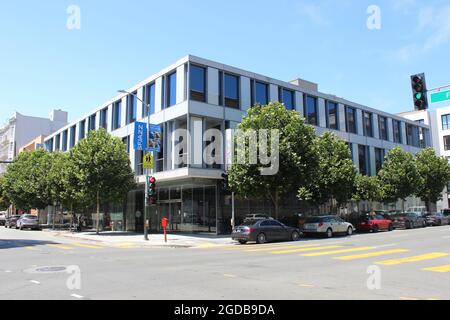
{"x": 374, "y": 223}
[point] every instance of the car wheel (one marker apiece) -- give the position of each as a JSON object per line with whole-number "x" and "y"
{"x": 375, "y": 229}
{"x": 261, "y": 238}
{"x": 242, "y": 242}
{"x": 350, "y": 231}
{"x": 424, "y": 224}
{"x": 410, "y": 225}
{"x": 329, "y": 233}
{"x": 295, "y": 236}
{"x": 391, "y": 227}
{"x": 21, "y": 228}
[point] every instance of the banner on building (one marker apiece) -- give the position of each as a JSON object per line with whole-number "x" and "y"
{"x": 154, "y": 139}
{"x": 140, "y": 136}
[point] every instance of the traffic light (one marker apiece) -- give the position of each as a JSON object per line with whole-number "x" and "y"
{"x": 151, "y": 190}
{"x": 419, "y": 88}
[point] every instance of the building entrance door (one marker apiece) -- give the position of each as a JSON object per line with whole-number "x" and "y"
{"x": 172, "y": 211}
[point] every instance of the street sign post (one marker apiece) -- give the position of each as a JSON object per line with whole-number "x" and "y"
{"x": 440, "y": 96}
{"x": 148, "y": 161}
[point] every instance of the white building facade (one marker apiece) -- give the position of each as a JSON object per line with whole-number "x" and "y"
{"x": 197, "y": 95}
{"x": 20, "y": 130}
{"x": 439, "y": 121}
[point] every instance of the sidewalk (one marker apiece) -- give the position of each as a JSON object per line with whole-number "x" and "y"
{"x": 155, "y": 240}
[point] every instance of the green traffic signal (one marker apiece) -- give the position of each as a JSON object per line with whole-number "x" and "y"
{"x": 419, "y": 96}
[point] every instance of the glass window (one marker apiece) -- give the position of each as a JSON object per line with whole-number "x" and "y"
{"x": 446, "y": 122}
{"x": 58, "y": 142}
{"x": 363, "y": 160}
{"x": 64, "y": 140}
{"x": 117, "y": 109}
{"x": 92, "y": 122}
{"x": 350, "y": 115}
{"x": 447, "y": 143}
{"x": 379, "y": 159}
{"x": 261, "y": 93}
{"x": 288, "y": 98}
{"x": 172, "y": 89}
{"x": 382, "y": 124}
{"x": 198, "y": 83}
{"x": 131, "y": 107}
{"x": 231, "y": 89}
{"x": 311, "y": 110}
{"x": 396, "y": 126}
{"x": 149, "y": 96}
{"x": 368, "y": 129}
{"x": 126, "y": 142}
{"x": 104, "y": 119}
{"x": 73, "y": 131}
{"x": 82, "y": 131}
{"x": 332, "y": 115}
{"x": 412, "y": 135}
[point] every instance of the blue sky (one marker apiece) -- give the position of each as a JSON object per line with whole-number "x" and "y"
{"x": 43, "y": 65}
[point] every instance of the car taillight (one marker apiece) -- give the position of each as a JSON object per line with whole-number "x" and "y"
{"x": 321, "y": 224}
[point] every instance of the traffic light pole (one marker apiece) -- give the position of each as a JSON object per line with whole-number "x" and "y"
{"x": 147, "y": 177}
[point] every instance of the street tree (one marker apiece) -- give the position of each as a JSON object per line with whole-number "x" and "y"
{"x": 399, "y": 176}
{"x": 297, "y": 159}
{"x": 434, "y": 172}
{"x": 335, "y": 177}
{"x": 102, "y": 169}
{"x": 368, "y": 189}
{"x": 26, "y": 183}
{"x": 4, "y": 201}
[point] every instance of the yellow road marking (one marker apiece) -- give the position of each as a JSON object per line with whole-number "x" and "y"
{"x": 305, "y": 249}
{"x": 230, "y": 276}
{"x": 409, "y": 298}
{"x": 60, "y": 247}
{"x": 440, "y": 269}
{"x": 424, "y": 257}
{"x": 306, "y": 285}
{"x": 125, "y": 246}
{"x": 371, "y": 254}
{"x": 286, "y": 247}
{"x": 326, "y": 253}
{"x": 82, "y": 245}
{"x": 254, "y": 247}
{"x": 31, "y": 248}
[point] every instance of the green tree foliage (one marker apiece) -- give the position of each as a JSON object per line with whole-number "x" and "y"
{"x": 336, "y": 175}
{"x": 4, "y": 201}
{"x": 399, "y": 176}
{"x": 434, "y": 175}
{"x": 102, "y": 169}
{"x": 368, "y": 189}
{"x": 298, "y": 159}
{"x": 26, "y": 183}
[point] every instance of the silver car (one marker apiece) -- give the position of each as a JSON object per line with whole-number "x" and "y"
{"x": 328, "y": 226}
{"x": 28, "y": 221}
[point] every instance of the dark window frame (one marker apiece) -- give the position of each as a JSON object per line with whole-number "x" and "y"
{"x": 197, "y": 95}
{"x": 354, "y": 128}
{"x": 306, "y": 110}
{"x": 336, "y": 114}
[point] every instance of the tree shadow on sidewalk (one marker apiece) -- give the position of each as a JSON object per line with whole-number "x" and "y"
{"x": 21, "y": 243}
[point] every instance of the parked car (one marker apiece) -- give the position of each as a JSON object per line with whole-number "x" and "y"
{"x": 264, "y": 230}
{"x": 11, "y": 221}
{"x": 256, "y": 216}
{"x": 409, "y": 220}
{"x": 2, "y": 219}
{"x": 374, "y": 223}
{"x": 446, "y": 212}
{"x": 437, "y": 219}
{"x": 28, "y": 221}
{"x": 327, "y": 225}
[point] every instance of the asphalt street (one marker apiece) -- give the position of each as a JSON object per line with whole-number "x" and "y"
{"x": 400, "y": 265}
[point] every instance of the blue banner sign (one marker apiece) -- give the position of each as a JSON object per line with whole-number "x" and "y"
{"x": 154, "y": 139}
{"x": 140, "y": 136}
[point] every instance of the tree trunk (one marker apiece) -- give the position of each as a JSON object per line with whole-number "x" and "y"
{"x": 276, "y": 205}
{"x": 403, "y": 205}
{"x": 98, "y": 213}
{"x": 428, "y": 205}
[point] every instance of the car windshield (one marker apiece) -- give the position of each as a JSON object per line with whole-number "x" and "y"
{"x": 28, "y": 216}
{"x": 399, "y": 215}
{"x": 249, "y": 222}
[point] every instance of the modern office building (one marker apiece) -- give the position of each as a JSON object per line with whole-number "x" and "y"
{"x": 439, "y": 121}
{"x": 19, "y": 130}
{"x": 197, "y": 95}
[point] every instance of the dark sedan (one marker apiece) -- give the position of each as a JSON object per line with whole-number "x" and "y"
{"x": 409, "y": 220}
{"x": 437, "y": 219}
{"x": 11, "y": 222}
{"x": 264, "y": 230}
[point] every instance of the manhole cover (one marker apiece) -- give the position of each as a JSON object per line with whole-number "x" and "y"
{"x": 51, "y": 269}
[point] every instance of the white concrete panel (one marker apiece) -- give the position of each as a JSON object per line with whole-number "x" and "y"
{"x": 390, "y": 130}
{"x": 123, "y": 117}
{"x": 373, "y": 165}
{"x": 181, "y": 83}
{"x": 341, "y": 117}
{"x": 322, "y": 113}
{"x": 355, "y": 152}
{"x": 403, "y": 132}
{"x": 245, "y": 94}
{"x": 206, "y": 110}
{"x": 376, "y": 130}
{"x": 139, "y": 107}
{"x": 273, "y": 93}
{"x": 213, "y": 86}
{"x": 159, "y": 99}
{"x": 299, "y": 103}
{"x": 359, "y": 121}
{"x": 234, "y": 114}
{"x": 196, "y": 147}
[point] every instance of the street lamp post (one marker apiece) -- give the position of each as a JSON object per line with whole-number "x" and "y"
{"x": 147, "y": 171}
